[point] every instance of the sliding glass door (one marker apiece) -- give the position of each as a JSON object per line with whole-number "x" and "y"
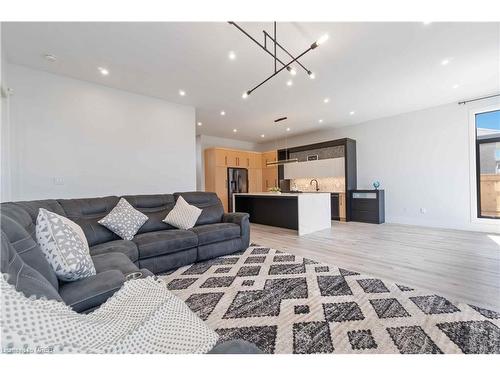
{"x": 488, "y": 164}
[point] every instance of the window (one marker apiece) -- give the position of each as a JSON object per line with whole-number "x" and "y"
{"x": 487, "y": 126}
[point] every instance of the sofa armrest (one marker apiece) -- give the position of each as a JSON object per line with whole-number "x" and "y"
{"x": 243, "y": 220}
{"x": 235, "y": 218}
{"x": 86, "y": 294}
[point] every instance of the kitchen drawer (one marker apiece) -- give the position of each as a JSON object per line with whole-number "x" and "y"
{"x": 364, "y": 204}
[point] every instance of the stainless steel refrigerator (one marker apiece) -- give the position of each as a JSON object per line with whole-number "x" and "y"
{"x": 237, "y": 182}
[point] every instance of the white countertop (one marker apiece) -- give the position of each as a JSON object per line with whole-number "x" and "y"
{"x": 269, "y": 194}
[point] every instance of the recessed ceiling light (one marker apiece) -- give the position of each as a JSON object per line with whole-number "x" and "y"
{"x": 182, "y": 93}
{"x": 50, "y": 57}
{"x": 289, "y": 82}
{"x": 427, "y": 22}
{"x": 320, "y": 120}
{"x": 262, "y": 135}
{"x": 222, "y": 113}
{"x": 445, "y": 62}
{"x": 352, "y": 113}
{"x": 103, "y": 71}
{"x": 455, "y": 86}
{"x": 235, "y": 130}
{"x": 326, "y": 100}
{"x": 200, "y": 123}
{"x": 288, "y": 129}
{"x": 232, "y": 55}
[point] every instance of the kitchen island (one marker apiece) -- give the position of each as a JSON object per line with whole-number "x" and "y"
{"x": 304, "y": 212}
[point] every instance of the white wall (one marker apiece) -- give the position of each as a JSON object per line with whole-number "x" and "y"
{"x": 422, "y": 161}
{"x": 205, "y": 141}
{"x": 95, "y": 140}
{"x": 5, "y": 178}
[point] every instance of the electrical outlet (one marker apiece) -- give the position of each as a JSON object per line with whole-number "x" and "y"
{"x": 58, "y": 180}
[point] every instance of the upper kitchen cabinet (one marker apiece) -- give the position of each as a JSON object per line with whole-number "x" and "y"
{"x": 315, "y": 168}
{"x": 268, "y": 157}
{"x": 223, "y": 157}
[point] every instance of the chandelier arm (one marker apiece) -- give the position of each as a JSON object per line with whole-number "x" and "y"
{"x": 279, "y": 70}
{"x": 256, "y": 42}
{"x": 284, "y": 50}
{"x": 275, "y": 46}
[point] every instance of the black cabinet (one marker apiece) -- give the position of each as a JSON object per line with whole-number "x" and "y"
{"x": 367, "y": 206}
{"x": 335, "y": 206}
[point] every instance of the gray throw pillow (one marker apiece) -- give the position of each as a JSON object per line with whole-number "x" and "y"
{"x": 124, "y": 220}
{"x": 64, "y": 245}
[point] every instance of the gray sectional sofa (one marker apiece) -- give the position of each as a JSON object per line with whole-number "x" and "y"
{"x": 156, "y": 248}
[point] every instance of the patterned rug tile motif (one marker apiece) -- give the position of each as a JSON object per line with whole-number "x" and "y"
{"x": 284, "y": 303}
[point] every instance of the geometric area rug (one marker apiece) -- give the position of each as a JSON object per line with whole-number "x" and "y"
{"x": 284, "y": 303}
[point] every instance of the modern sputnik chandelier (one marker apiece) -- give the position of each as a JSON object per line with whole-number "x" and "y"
{"x": 274, "y": 45}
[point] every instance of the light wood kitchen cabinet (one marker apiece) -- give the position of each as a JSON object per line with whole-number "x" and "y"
{"x": 269, "y": 178}
{"x": 254, "y": 180}
{"x": 218, "y": 160}
{"x": 223, "y": 157}
{"x": 268, "y": 157}
{"x": 342, "y": 207}
{"x": 221, "y": 186}
{"x": 269, "y": 173}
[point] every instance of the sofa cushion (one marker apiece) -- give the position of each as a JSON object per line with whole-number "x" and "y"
{"x": 211, "y": 233}
{"x": 208, "y": 202}
{"x": 28, "y": 249}
{"x": 114, "y": 261}
{"x": 183, "y": 215}
{"x": 164, "y": 242}
{"x": 128, "y": 248}
{"x": 64, "y": 246}
{"x": 156, "y": 207}
{"x": 86, "y": 294}
{"x": 25, "y": 279}
{"x": 86, "y": 212}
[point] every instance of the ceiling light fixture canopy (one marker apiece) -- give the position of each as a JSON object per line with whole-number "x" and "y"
{"x": 275, "y": 45}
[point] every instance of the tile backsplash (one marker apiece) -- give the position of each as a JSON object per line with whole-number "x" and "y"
{"x": 327, "y": 184}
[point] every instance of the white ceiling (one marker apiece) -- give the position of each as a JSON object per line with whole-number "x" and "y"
{"x": 374, "y": 69}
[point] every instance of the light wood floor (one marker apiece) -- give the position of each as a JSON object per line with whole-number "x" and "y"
{"x": 460, "y": 265}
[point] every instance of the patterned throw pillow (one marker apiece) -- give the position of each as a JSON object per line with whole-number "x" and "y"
{"x": 64, "y": 245}
{"x": 124, "y": 220}
{"x": 183, "y": 215}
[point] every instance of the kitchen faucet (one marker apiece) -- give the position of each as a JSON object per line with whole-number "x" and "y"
{"x": 317, "y": 185}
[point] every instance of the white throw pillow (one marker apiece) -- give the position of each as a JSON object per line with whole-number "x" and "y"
{"x": 64, "y": 245}
{"x": 124, "y": 220}
{"x": 183, "y": 215}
